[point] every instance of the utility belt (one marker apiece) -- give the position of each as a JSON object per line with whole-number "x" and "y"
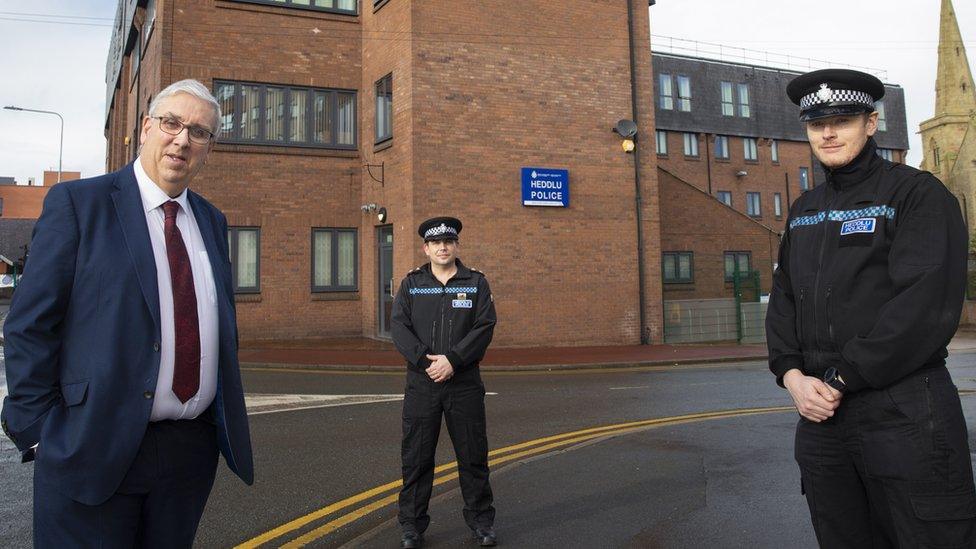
{"x": 815, "y": 363}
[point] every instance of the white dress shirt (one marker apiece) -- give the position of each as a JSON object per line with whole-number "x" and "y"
{"x": 166, "y": 405}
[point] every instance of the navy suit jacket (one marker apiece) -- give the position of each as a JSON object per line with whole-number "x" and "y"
{"x": 82, "y": 338}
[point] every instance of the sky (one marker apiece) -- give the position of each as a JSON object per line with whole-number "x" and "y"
{"x": 61, "y": 67}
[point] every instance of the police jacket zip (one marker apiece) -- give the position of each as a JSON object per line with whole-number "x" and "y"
{"x": 425, "y": 306}
{"x": 887, "y": 227}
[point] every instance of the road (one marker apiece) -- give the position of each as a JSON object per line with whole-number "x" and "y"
{"x": 656, "y": 457}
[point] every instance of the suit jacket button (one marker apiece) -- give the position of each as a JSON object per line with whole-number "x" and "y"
{"x": 156, "y": 346}
{"x": 148, "y": 394}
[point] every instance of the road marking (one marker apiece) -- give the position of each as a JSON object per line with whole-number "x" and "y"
{"x": 258, "y": 404}
{"x": 501, "y": 455}
{"x": 632, "y": 387}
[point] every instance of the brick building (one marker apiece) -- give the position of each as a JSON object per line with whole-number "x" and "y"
{"x": 336, "y": 110}
{"x": 728, "y": 130}
{"x": 20, "y": 206}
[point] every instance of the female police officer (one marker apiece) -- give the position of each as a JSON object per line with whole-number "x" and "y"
{"x": 442, "y": 322}
{"x": 866, "y": 296}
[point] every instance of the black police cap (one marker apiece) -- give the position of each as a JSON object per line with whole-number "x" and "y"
{"x": 834, "y": 92}
{"x": 440, "y": 228}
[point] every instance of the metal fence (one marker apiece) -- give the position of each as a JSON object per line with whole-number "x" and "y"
{"x": 705, "y": 320}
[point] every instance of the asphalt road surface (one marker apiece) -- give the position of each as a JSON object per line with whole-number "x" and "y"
{"x": 697, "y": 456}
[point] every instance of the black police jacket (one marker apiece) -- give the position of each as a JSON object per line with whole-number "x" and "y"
{"x": 871, "y": 275}
{"x": 456, "y": 319}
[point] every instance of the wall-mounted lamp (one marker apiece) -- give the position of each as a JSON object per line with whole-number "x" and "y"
{"x": 627, "y": 129}
{"x": 381, "y": 215}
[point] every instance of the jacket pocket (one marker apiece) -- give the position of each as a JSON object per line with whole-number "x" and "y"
{"x": 74, "y": 394}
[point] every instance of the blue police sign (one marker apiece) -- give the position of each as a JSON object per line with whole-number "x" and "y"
{"x": 545, "y": 187}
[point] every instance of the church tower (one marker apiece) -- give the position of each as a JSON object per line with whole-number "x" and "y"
{"x": 949, "y": 137}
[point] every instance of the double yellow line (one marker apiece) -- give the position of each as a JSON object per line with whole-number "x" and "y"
{"x": 448, "y": 471}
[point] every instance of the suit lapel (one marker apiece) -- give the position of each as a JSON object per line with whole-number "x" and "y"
{"x": 202, "y": 214}
{"x": 135, "y": 231}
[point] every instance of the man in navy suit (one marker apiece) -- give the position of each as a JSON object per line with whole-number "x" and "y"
{"x": 121, "y": 345}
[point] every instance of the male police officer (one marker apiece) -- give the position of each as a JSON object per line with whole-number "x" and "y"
{"x": 443, "y": 319}
{"x": 866, "y": 297}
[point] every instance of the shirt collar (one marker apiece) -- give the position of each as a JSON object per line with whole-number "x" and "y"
{"x": 152, "y": 196}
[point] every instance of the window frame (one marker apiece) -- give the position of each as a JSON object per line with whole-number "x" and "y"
{"x": 683, "y": 100}
{"x": 690, "y": 138}
{"x": 387, "y": 107}
{"x": 719, "y": 194}
{"x": 335, "y": 286}
{"x": 804, "y": 179}
{"x": 735, "y": 262}
{"x": 750, "y": 144}
{"x": 757, "y": 196}
{"x": 879, "y": 106}
{"x": 778, "y": 205}
{"x": 661, "y": 142}
{"x": 728, "y": 107}
{"x": 887, "y": 154}
{"x": 676, "y": 257}
{"x": 743, "y": 106}
{"x": 665, "y": 84}
{"x": 333, "y": 96}
{"x": 233, "y": 233}
{"x": 774, "y": 151}
{"x": 289, "y": 4}
{"x": 724, "y": 139}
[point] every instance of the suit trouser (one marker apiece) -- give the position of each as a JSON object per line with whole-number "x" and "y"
{"x": 461, "y": 400}
{"x": 891, "y": 468}
{"x": 158, "y": 504}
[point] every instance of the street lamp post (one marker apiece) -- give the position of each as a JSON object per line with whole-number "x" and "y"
{"x": 61, "y": 149}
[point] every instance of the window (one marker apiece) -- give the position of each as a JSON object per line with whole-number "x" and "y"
{"x": 334, "y": 260}
{"x": 294, "y": 116}
{"x": 384, "y": 108}
{"x": 725, "y": 197}
{"x": 935, "y": 155}
{"x": 665, "y": 92}
{"x": 736, "y": 262}
{"x": 677, "y": 266}
{"x": 150, "y": 19}
{"x": 661, "y": 141}
{"x": 752, "y": 205}
{"x": 339, "y": 6}
{"x": 727, "y": 106}
{"x": 774, "y": 151}
{"x": 245, "y": 258}
{"x": 744, "y": 100}
{"x": 749, "y": 149}
{"x": 721, "y": 147}
{"x": 887, "y": 154}
{"x": 778, "y": 205}
{"x": 882, "y": 121}
{"x": 691, "y": 144}
{"x": 804, "y": 179}
{"x": 741, "y": 100}
{"x": 684, "y": 94}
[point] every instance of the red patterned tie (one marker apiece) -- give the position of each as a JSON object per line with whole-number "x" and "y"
{"x": 186, "y": 371}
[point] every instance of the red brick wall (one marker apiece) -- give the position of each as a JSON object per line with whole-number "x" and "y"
{"x": 21, "y": 201}
{"x": 480, "y": 90}
{"x": 764, "y": 176}
{"x": 698, "y": 223}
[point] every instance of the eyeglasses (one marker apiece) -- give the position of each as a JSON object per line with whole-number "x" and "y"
{"x": 172, "y": 126}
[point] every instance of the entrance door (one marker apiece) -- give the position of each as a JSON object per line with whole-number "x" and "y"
{"x": 386, "y": 285}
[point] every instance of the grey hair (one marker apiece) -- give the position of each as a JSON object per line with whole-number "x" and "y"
{"x": 192, "y": 87}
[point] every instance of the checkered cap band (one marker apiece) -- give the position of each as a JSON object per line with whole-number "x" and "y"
{"x": 836, "y": 96}
{"x": 440, "y": 230}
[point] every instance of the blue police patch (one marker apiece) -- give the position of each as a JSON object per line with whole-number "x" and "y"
{"x": 865, "y": 225}
{"x": 462, "y": 303}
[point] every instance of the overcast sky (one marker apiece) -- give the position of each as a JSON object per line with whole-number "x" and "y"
{"x": 61, "y": 67}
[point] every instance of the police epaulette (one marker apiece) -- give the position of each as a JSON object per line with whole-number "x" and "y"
{"x": 415, "y": 270}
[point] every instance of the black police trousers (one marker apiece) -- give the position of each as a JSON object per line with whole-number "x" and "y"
{"x": 461, "y": 400}
{"x": 891, "y": 468}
